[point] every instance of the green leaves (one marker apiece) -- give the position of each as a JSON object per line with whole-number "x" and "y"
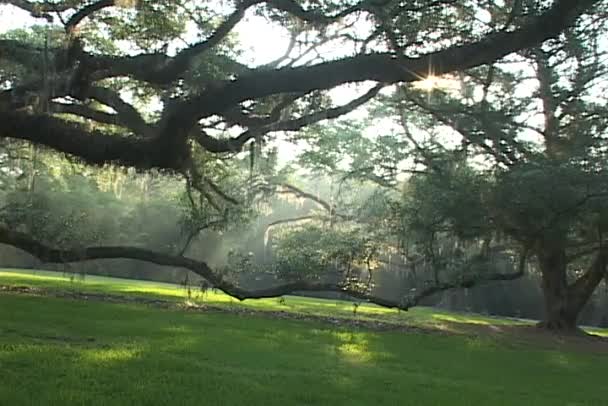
{"x": 315, "y": 252}
{"x": 451, "y": 200}
{"x": 346, "y": 149}
{"x": 148, "y": 25}
{"x": 546, "y": 198}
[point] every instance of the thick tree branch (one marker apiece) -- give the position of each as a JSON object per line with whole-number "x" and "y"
{"x": 580, "y": 291}
{"x": 93, "y": 146}
{"x": 166, "y": 70}
{"x": 129, "y": 116}
{"x": 311, "y": 16}
{"x": 85, "y": 12}
{"x": 50, "y": 254}
{"x": 382, "y": 67}
{"x": 180, "y": 119}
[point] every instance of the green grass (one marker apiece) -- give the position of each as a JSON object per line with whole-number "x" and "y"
{"x": 419, "y": 316}
{"x": 69, "y": 352}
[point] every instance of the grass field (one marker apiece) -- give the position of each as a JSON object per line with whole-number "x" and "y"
{"x": 419, "y": 316}
{"x": 57, "y": 351}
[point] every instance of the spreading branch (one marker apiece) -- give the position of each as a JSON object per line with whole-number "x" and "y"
{"x": 580, "y": 291}
{"x": 129, "y": 116}
{"x": 294, "y": 190}
{"x": 468, "y": 282}
{"x": 93, "y": 146}
{"x": 260, "y": 128}
{"x": 179, "y": 119}
{"x": 49, "y": 254}
{"x": 85, "y": 12}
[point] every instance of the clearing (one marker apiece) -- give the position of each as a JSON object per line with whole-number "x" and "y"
{"x": 134, "y": 342}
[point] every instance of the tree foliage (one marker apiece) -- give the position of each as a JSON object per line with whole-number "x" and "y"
{"x": 164, "y": 86}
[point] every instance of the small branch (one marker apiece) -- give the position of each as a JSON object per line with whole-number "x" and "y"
{"x": 459, "y": 126}
{"x": 294, "y": 220}
{"x": 288, "y": 188}
{"x": 468, "y": 282}
{"x": 236, "y": 144}
{"x": 182, "y": 60}
{"x": 194, "y": 233}
{"x": 39, "y": 9}
{"x": 328, "y": 114}
{"x": 219, "y": 191}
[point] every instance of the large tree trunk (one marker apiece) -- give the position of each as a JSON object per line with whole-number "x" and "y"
{"x": 563, "y": 301}
{"x": 560, "y": 313}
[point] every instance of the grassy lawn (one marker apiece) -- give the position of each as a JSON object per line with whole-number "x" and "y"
{"x": 419, "y": 316}
{"x": 62, "y": 352}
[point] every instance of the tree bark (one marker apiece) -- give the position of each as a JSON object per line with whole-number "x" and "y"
{"x": 563, "y": 301}
{"x": 559, "y": 314}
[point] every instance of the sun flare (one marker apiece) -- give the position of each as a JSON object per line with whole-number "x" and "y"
{"x": 428, "y": 83}
{"x": 432, "y": 82}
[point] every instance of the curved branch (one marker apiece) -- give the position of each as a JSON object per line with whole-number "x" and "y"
{"x": 331, "y": 113}
{"x": 129, "y": 116}
{"x": 219, "y": 191}
{"x": 195, "y": 232}
{"x": 469, "y": 282}
{"x": 288, "y": 188}
{"x": 50, "y": 254}
{"x": 85, "y": 12}
{"x": 380, "y": 67}
{"x": 181, "y": 118}
{"x": 236, "y": 144}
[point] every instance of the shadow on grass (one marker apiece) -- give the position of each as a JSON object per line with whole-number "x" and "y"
{"x": 149, "y": 356}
